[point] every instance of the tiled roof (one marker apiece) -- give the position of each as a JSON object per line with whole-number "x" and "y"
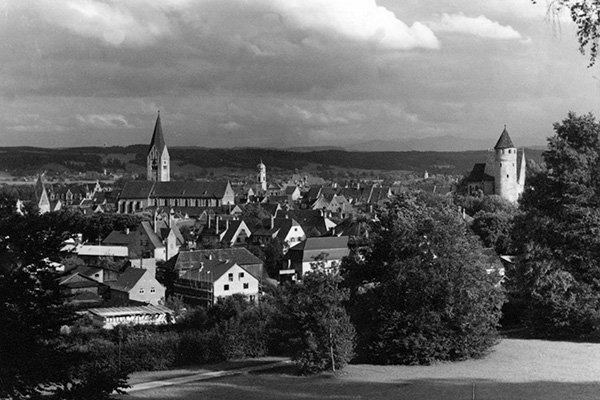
{"x": 136, "y": 190}
{"x": 127, "y": 279}
{"x": 320, "y": 243}
{"x": 478, "y": 174}
{"x": 193, "y": 189}
{"x": 504, "y": 142}
{"x": 189, "y": 259}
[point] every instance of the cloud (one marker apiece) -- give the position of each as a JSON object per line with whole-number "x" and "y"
{"x": 106, "y": 121}
{"x": 478, "y": 26}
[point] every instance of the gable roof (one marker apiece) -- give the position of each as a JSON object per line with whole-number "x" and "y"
{"x": 193, "y": 189}
{"x": 136, "y": 190}
{"x": 158, "y": 139}
{"x": 127, "y": 279}
{"x": 478, "y": 174}
{"x": 504, "y": 142}
{"x": 189, "y": 259}
{"x": 324, "y": 243}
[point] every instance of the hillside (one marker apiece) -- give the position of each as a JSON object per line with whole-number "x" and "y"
{"x": 30, "y": 160}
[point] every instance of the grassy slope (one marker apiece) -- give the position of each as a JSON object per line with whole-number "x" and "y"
{"x": 516, "y": 369}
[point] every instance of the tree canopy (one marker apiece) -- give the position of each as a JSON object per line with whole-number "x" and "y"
{"x": 420, "y": 292}
{"x": 558, "y": 275}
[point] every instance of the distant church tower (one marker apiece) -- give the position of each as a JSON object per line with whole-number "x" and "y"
{"x": 261, "y": 177}
{"x": 158, "y": 161}
{"x": 509, "y": 181}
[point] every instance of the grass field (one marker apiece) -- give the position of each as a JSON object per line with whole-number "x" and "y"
{"x": 515, "y": 369}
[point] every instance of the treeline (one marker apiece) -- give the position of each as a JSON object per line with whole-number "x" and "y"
{"x": 27, "y": 161}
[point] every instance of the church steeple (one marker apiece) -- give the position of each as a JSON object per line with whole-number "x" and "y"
{"x": 158, "y": 139}
{"x": 158, "y": 161}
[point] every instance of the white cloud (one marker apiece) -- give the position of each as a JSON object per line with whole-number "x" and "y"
{"x": 110, "y": 121}
{"x": 361, "y": 20}
{"x": 478, "y": 26}
{"x": 144, "y": 22}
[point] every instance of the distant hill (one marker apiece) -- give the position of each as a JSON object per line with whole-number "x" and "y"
{"x": 30, "y": 160}
{"x": 439, "y": 143}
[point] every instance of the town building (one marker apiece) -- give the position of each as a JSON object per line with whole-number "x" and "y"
{"x": 325, "y": 253}
{"x": 159, "y": 191}
{"x": 503, "y": 174}
{"x": 214, "y": 278}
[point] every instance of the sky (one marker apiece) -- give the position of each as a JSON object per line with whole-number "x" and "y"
{"x": 286, "y": 73}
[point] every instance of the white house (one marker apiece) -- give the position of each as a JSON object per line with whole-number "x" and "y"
{"x": 216, "y": 278}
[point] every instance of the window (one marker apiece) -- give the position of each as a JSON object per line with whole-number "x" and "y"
{"x": 226, "y": 287}
{"x": 507, "y": 175}
{"x": 152, "y": 290}
{"x": 230, "y": 277}
{"x": 142, "y": 290}
{"x": 246, "y": 285}
{"x": 240, "y": 275}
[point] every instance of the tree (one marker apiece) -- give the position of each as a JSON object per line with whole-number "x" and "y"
{"x": 420, "y": 290}
{"x": 320, "y": 332}
{"x": 36, "y": 359}
{"x": 586, "y": 15}
{"x": 557, "y": 278}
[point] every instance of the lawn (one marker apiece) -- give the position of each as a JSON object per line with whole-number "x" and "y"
{"x": 515, "y": 369}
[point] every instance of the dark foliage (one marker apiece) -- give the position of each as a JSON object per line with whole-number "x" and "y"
{"x": 420, "y": 291}
{"x": 558, "y": 275}
{"x": 319, "y": 332}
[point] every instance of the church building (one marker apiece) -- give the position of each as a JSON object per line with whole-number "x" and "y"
{"x": 159, "y": 191}
{"x": 503, "y": 174}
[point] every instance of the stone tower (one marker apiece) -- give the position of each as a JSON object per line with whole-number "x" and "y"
{"x": 158, "y": 161}
{"x": 508, "y": 180}
{"x": 261, "y": 177}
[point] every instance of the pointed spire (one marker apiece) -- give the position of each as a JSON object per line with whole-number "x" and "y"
{"x": 504, "y": 142}
{"x": 158, "y": 139}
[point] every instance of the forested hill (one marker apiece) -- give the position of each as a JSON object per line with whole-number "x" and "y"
{"x": 29, "y": 160}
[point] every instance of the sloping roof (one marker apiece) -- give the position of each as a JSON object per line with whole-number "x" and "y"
{"x": 188, "y": 259}
{"x": 289, "y": 190}
{"x": 233, "y": 227}
{"x": 127, "y": 279}
{"x": 478, "y": 174}
{"x": 504, "y": 142}
{"x": 322, "y": 248}
{"x": 158, "y": 139}
{"x": 152, "y": 236}
{"x": 136, "y": 190}
{"x": 106, "y": 251}
{"x": 194, "y": 189}
{"x": 324, "y": 243}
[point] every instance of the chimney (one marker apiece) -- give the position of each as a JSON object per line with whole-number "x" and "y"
{"x": 217, "y": 225}
{"x": 127, "y": 231}
{"x": 210, "y": 256}
{"x": 272, "y": 222}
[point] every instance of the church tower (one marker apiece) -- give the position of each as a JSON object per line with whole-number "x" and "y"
{"x": 261, "y": 177}
{"x": 506, "y": 181}
{"x": 158, "y": 161}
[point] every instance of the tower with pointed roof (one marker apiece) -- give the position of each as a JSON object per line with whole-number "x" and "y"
{"x": 261, "y": 177}
{"x": 158, "y": 160}
{"x": 509, "y": 181}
